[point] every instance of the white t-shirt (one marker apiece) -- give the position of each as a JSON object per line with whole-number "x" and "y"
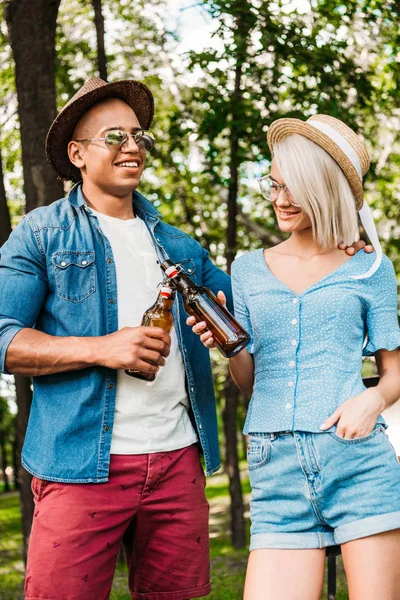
{"x": 149, "y": 416}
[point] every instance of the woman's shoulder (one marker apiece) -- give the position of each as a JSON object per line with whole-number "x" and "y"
{"x": 363, "y": 262}
{"x": 246, "y": 261}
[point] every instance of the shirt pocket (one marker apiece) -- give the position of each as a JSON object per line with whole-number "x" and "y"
{"x": 75, "y": 275}
{"x": 189, "y": 267}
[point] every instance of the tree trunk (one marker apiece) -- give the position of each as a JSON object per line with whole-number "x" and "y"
{"x": 231, "y": 392}
{"x": 229, "y": 416}
{"x": 15, "y": 463}
{"x": 5, "y": 222}
{"x": 3, "y": 453}
{"x": 24, "y": 399}
{"x": 32, "y": 27}
{"x": 101, "y": 53}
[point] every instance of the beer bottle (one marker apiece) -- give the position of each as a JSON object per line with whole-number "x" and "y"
{"x": 158, "y": 315}
{"x": 229, "y": 336}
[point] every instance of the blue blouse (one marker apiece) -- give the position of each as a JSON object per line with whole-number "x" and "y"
{"x": 308, "y": 347}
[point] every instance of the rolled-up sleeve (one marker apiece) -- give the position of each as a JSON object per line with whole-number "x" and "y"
{"x": 241, "y": 310}
{"x": 381, "y": 317}
{"x": 23, "y": 285}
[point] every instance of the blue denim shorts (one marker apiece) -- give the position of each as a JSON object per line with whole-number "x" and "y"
{"x": 312, "y": 490}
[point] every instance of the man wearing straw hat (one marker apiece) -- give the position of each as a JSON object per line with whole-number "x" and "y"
{"x": 113, "y": 458}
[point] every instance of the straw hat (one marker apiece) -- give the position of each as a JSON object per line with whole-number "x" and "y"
{"x": 351, "y": 155}
{"x": 135, "y": 94}
{"x": 334, "y": 137}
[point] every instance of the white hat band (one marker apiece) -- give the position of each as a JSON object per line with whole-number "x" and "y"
{"x": 368, "y": 223}
{"x": 365, "y": 213}
{"x": 339, "y": 141}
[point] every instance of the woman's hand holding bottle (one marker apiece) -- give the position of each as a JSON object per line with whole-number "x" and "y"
{"x": 200, "y": 327}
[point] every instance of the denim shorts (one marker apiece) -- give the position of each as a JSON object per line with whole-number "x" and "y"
{"x": 312, "y": 490}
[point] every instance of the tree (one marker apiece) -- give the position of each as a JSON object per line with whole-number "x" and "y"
{"x": 5, "y": 221}
{"x": 5, "y": 426}
{"x": 32, "y": 26}
{"x": 101, "y": 54}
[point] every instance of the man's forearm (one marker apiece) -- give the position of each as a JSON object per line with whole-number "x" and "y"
{"x": 32, "y": 353}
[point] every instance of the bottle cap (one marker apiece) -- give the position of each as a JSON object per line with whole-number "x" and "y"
{"x": 171, "y": 271}
{"x": 166, "y": 292}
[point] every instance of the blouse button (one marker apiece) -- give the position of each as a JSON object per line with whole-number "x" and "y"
{"x": 294, "y": 322}
{"x": 290, "y": 383}
{"x": 292, "y": 363}
{"x": 288, "y": 406}
{"x": 295, "y": 300}
{"x": 294, "y": 342}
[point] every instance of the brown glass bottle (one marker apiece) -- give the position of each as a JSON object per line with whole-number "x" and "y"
{"x": 229, "y": 336}
{"x": 158, "y": 315}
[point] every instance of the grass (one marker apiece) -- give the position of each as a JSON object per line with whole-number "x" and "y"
{"x": 228, "y": 566}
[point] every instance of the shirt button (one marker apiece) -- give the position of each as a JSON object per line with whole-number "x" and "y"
{"x": 200, "y": 426}
{"x": 295, "y": 300}
{"x": 84, "y": 262}
{"x": 294, "y": 321}
{"x": 294, "y": 342}
{"x": 106, "y": 428}
{"x": 63, "y": 264}
{"x": 109, "y": 261}
{"x": 110, "y": 386}
{"x": 292, "y": 363}
{"x": 111, "y": 301}
{"x": 192, "y": 389}
{"x": 288, "y": 406}
{"x": 189, "y": 270}
{"x": 290, "y": 383}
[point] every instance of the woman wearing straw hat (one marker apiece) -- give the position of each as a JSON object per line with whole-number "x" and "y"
{"x": 322, "y": 469}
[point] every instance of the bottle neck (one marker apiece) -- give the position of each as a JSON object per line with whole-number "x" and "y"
{"x": 183, "y": 282}
{"x": 165, "y": 302}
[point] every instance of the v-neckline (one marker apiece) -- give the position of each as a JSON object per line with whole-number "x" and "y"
{"x": 310, "y": 287}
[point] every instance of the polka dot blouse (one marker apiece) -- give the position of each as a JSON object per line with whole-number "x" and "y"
{"x": 308, "y": 348}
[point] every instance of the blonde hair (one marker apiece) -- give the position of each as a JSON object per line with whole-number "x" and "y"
{"x": 320, "y": 188}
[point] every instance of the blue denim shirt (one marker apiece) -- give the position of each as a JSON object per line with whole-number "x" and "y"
{"x": 308, "y": 347}
{"x": 57, "y": 274}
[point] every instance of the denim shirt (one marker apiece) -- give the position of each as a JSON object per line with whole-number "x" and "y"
{"x": 308, "y": 347}
{"x": 57, "y": 274}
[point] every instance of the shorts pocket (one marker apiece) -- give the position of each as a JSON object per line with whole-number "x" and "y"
{"x": 359, "y": 440}
{"x": 258, "y": 453}
{"x": 74, "y": 274}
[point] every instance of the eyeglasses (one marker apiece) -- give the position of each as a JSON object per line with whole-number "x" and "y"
{"x": 270, "y": 190}
{"x": 117, "y": 140}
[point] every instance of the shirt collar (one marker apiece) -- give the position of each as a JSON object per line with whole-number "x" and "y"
{"x": 141, "y": 206}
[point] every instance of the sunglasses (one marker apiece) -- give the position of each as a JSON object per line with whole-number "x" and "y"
{"x": 117, "y": 140}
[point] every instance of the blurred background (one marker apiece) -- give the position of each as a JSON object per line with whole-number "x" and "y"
{"x": 221, "y": 71}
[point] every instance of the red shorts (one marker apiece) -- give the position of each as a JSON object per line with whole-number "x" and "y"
{"x": 154, "y": 503}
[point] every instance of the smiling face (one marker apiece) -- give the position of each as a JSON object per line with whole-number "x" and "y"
{"x": 290, "y": 218}
{"x": 118, "y": 173}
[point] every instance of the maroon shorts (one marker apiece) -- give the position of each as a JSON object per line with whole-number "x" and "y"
{"x": 154, "y": 503}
